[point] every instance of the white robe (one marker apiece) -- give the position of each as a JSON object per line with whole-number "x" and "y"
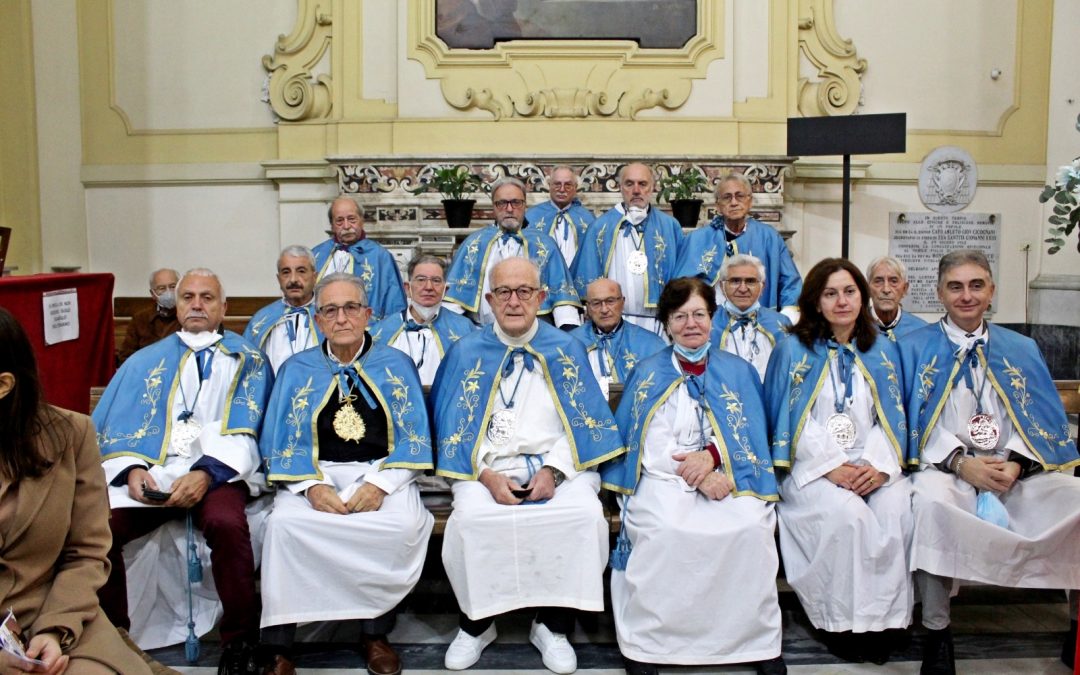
{"x": 700, "y": 585}
{"x": 278, "y": 346}
{"x": 501, "y": 558}
{"x": 327, "y": 566}
{"x": 1041, "y": 548}
{"x": 750, "y": 345}
{"x": 633, "y": 285}
{"x": 847, "y": 556}
{"x": 423, "y": 350}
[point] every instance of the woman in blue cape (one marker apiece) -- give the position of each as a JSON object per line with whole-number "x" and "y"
{"x": 698, "y": 585}
{"x": 834, "y": 395}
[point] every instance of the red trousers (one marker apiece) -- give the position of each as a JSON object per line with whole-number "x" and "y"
{"x": 220, "y": 516}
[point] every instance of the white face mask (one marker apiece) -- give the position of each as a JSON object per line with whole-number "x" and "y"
{"x": 167, "y": 300}
{"x": 636, "y": 214}
{"x": 425, "y": 313}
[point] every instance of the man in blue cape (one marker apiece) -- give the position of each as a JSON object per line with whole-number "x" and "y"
{"x": 467, "y": 282}
{"x": 178, "y": 427}
{"x": 888, "y": 281}
{"x": 287, "y": 327}
{"x": 562, "y": 217}
{"x": 349, "y": 250}
{"x": 995, "y": 501}
{"x": 520, "y": 425}
{"x": 635, "y": 244}
{"x": 615, "y": 346}
{"x": 424, "y": 331}
{"x": 734, "y": 231}
{"x": 347, "y": 437}
{"x": 741, "y": 326}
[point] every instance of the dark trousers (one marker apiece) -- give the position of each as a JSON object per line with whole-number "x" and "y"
{"x": 220, "y": 516}
{"x": 557, "y": 619}
{"x": 279, "y": 639}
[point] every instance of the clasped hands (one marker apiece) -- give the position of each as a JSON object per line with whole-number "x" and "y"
{"x": 542, "y": 486}
{"x": 992, "y": 474}
{"x": 862, "y": 479}
{"x": 698, "y": 470}
{"x": 323, "y": 497}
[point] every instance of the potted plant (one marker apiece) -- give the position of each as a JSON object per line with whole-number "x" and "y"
{"x": 1066, "y": 211}
{"x": 454, "y": 183}
{"x": 680, "y": 189}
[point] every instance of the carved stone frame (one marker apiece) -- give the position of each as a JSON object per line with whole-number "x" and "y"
{"x": 566, "y": 78}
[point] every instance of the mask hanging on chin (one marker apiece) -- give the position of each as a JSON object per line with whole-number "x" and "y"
{"x": 636, "y": 214}
{"x": 426, "y": 314}
{"x": 691, "y": 355}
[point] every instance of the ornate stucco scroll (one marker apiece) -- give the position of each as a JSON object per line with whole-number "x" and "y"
{"x": 565, "y": 78}
{"x": 296, "y": 93}
{"x": 838, "y": 66}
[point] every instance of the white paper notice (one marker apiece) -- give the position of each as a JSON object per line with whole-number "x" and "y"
{"x": 61, "y": 312}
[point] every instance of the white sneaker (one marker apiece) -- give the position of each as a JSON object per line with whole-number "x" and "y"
{"x": 559, "y": 656}
{"x": 465, "y": 650}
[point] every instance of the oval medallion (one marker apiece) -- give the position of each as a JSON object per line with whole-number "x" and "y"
{"x": 984, "y": 431}
{"x": 348, "y": 424}
{"x": 501, "y": 426}
{"x": 842, "y": 430}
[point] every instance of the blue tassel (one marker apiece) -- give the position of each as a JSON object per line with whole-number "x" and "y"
{"x": 989, "y": 508}
{"x": 191, "y": 645}
{"x": 621, "y": 554}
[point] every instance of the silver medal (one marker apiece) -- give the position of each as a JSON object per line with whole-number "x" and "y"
{"x": 842, "y": 430}
{"x": 638, "y": 263}
{"x": 983, "y": 430}
{"x": 501, "y": 426}
{"x": 183, "y": 435}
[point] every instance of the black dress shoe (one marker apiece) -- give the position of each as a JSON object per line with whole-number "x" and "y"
{"x": 638, "y": 668}
{"x": 238, "y": 658}
{"x": 844, "y": 645}
{"x": 771, "y": 667}
{"x": 938, "y": 657}
{"x": 875, "y": 646}
{"x": 1068, "y": 648}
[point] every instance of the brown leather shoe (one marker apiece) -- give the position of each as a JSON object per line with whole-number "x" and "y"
{"x": 381, "y": 657}
{"x": 280, "y": 665}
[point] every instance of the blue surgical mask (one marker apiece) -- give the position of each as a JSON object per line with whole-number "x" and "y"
{"x": 692, "y": 355}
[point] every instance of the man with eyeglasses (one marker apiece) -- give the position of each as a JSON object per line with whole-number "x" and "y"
{"x": 178, "y": 427}
{"x": 615, "y": 346}
{"x": 153, "y": 323}
{"x": 347, "y": 436}
{"x": 741, "y": 326}
{"x": 349, "y": 250}
{"x": 520, "y": 425}
{"x": 467, "y": 284}
{"x": 563, "y": 217}
{"x": 634, "y": 244}
{"x": 733, "y": 231}
{"x": 423, "y": 331}
{"x": 287, "y": 326}
{"x": 888, "y": 281}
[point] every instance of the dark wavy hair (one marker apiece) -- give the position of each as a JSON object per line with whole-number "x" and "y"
{"x": 678, "y": 291}
{"x": 25, "y": 419}
{"x": 812, "y": 325}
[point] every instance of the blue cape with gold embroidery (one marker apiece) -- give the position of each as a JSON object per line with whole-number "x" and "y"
{"x": 629, "y": 345}
{"x": 467, "y": 384}
{"x": 542, "y": 217}
{"x": 908, "y": 323}
{"x": 263, "y": 322}
{"x": 736, "y": 416}
{"x": 770, "y": 323}
{"x": 305, "y": 385}
{"x": 447, "y": 327}
{"x": 465, "y": 283}
{"x": 375, "y": 266}
{"x": 796, "y": 375}
{"x": 663, "y": 235}
{"x": 133, "y": 417}
{"x": 704, "y": 250}
{"x": 1017, "y": 372}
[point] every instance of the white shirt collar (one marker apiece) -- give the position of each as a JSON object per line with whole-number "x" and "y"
{"x": 521, "y": 341}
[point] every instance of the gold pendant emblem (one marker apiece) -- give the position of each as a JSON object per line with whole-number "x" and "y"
{"x": 348, "y": 424}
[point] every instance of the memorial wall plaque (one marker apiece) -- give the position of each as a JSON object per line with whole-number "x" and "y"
{"x": 919, "y": 239}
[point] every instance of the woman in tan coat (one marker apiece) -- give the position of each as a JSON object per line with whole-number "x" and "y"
{"x": 54, "y": 524}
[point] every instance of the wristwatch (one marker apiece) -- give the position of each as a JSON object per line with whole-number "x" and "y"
{"x": 559, "y": 476}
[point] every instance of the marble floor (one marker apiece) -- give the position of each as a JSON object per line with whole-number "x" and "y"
{"x": 997, "y": 631}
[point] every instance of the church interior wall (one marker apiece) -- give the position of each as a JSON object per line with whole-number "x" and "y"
{"x": 178, "y": 148}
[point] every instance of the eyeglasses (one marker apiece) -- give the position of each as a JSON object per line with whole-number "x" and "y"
{"x": 507, "y": 203}
{"x": 679, "y": 318}
{"x": 735, "y": 282}
{"x": 603, "y": 302}
{"x": 351, "y": 309}
{"x": 522, "y": 292}
{"x": 423, "y": 281}
{"x": 737, "y": 196}
{"x": 158, "y": 290}
{"x": 560, "y": 185}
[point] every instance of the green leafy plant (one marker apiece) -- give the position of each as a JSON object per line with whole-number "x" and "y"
{"x": 686, "y": 184}
{"x": 1066, "y": 215}
{"x": 454, "y": 182}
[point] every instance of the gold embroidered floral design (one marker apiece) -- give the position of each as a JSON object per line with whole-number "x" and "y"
{"x": 150, "y": 397}
{"x": 469, "y": 401}
{"x": 248, "y": 382}
{"x": 472, "y": 251}
{"x": 296, "y": 419}
{"x": 256, "y": 327}
{"x": 1018, "y": 383}
{"x": 637, "y": 412}
{"x": 574, "y": 387}
{"x": 706, "y": 265}
{"x": 738, "y": 424}
{"x": 895, "y": 392}
{"x": 797, "y": 375}
{"x": 400, "y": 406}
